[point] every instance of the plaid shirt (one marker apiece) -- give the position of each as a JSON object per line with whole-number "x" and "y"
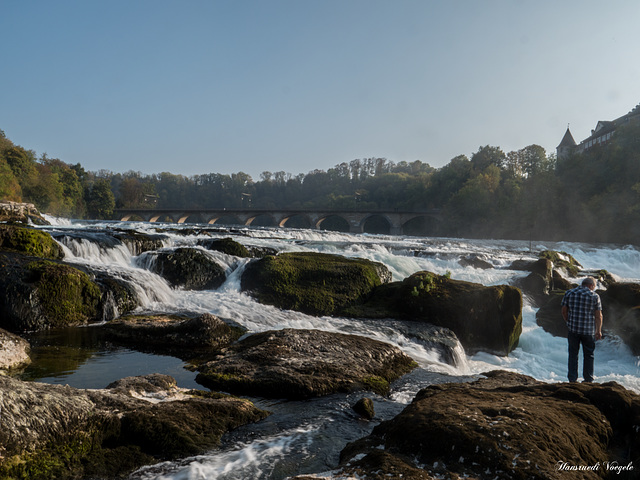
{"x": 582, "y": 304}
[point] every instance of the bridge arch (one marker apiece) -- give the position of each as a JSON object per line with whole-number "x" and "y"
{"x": 296, "y": 220}
{"x": 333, "y": 223}
{"x": 376, "y": 223}
{"x": 422, "y": 225}
{"x": 261, "y": 220}
{"x": 224, "y": 220}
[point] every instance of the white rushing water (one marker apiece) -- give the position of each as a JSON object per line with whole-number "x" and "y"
{"x": 539, "y": 354}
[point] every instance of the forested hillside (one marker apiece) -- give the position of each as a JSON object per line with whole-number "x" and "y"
{"x": 523, "y": 194}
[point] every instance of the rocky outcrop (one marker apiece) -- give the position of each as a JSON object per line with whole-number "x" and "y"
{"x": 180, "y": 335}
{"x": 483, "y": 318}
{"x": 621, "y": 312}
{"x": 21, "y": 212}
{"x": 549, "y": 316}
{"x": 137, "y": 242}
{"x": 621, "y": 305}
{"x": 188, "y": 268}
{"x": 506, "y": 426}
{"x": 51, "y": 431}
{"x": 14, "y": 352}
{"x": 298, "y": 364}
{"x": 37, "y": 294}
{"x": 548, "y": 273}
{"x": 313, "y": 283}
{"x": 226, "y": 245}
{"x": 29, "y": 241}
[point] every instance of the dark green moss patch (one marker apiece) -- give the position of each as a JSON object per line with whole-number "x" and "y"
{"x": 228, "y": 246}
{"x": 314, "y": 283}
{"x": 67, "y": 295}
{"x": 29, "y": 241}
{"x": 562, "y": 260}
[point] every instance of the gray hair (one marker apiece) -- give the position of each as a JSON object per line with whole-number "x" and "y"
{"x": 589, "y": 281}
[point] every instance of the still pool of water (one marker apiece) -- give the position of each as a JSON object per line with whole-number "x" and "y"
{"x": 82, "y": 357}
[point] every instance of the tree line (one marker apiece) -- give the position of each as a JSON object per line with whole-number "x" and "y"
{"x": 522, "y": 194}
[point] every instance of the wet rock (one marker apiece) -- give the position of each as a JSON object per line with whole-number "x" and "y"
{"x": 188, "y": 268}
{"x": 29, "y": 241}
{"x": 138, "y": 243}
{"x": 483, "y": 318}
{"x": 14, "y": 352}
{"x": 313, "y": 283}
{"x": 65, "y": 433}
{"x": 36, "y": 294}
{"x": 539, "y": 282}
{"x": 226, "y": 245}
{"x": 475, "y": 261}
{"x": 621, "y": 311}
{"x": 364, "y": 407}
{"x": 21, "y": 212}
{"x": 182, "y": 335}
{"x": 505, "y": 426}
{"x": 297, "y": 364}
{"x": 549, "y": 316}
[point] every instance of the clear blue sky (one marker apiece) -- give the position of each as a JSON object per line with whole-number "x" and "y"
{"x": 193, "y": 86}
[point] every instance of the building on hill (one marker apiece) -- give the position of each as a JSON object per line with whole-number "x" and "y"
{"x": 600, "y": 135}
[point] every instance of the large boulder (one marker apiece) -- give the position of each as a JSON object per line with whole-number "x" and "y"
{"x": 36, "y": 294}
{"x": 313, "y": 283}
{"x": 188, "y": 268}
{"x": 29, "y": 241}
{"x": 621, "y": 310}
{"x": 138, "y": 242}
{"x": 21, "y": 212}
{"x": 181, "y": 335}
{"x": 14, "y": 352}
{"x": 483, "y": 318}
{"x": 506, "y": 426}
{"x": 549, "y": 315}
{"x": 226, "y": 245}
{"x": 51, "y": 431}
{"x": 297, "y": 364}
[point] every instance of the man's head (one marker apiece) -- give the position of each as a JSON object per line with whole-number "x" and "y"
{"x": 590, "y": 283}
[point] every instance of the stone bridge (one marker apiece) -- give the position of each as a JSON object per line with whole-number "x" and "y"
{"x": 357, "y": 221}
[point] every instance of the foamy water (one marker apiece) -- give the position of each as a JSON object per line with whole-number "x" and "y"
{"x": 539, "y": 354}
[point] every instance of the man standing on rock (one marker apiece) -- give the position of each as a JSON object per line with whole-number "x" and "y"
{"x": 582, "y": 310}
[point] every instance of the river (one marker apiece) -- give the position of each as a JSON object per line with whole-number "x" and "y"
{"x": 306, "y": 437}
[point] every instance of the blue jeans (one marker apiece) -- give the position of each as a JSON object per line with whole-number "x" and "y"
{"x": 588, "y": 346}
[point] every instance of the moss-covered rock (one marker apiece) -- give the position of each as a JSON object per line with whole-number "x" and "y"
{"x": 29, "y": 241}
{"x": 67, "y": 295}
{"x": 313, "y": 283}
{"x": 483, "y": 318}
{"x": 297, "y": 364}
{"x": 562, "y": 260}
{"x": 188, "y": 268}
{"x": 59, "y": 432}
{"x": 226, "y": 245}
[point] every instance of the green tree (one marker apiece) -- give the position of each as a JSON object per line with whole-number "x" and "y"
{"x": 101, "y": 202}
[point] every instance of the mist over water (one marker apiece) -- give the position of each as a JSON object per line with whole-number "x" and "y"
{"x": 302, "y": 438}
